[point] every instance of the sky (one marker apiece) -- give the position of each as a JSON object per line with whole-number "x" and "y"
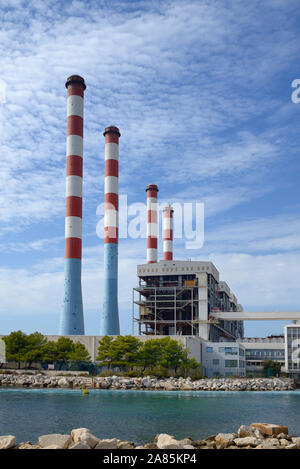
{"x": 202, "y": 94}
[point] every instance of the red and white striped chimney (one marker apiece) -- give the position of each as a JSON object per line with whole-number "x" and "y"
{"x": 152, "y": 191}
{"x": 168, "y": 232}
{"x": 72, "y": 315}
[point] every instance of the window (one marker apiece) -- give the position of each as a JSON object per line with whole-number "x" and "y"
{"x": 216, "y": 361}
{"x": 209, "y": 349}
{"x": 221, "y": 349}
{"x": 231, "y": 363}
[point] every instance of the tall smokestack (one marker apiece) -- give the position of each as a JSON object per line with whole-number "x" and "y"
{"x": 72, "y": 315}
{"x": 168, "y": 232}
{"x": 152, "y": 191}
{"x": 110, "y": 314}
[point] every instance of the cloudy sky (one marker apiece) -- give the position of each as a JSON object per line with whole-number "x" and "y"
{"x": 201, "y": 91}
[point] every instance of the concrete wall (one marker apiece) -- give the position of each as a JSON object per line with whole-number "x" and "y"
{"x": 91, "y": 343}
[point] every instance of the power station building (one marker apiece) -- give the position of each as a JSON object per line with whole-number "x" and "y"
{"x": 177, "y": 298}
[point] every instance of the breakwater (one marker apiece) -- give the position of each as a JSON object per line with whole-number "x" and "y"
{"x": 254, "y": 436}
{"x": 40, "y": 380}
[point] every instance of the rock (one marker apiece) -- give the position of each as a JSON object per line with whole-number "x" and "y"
{"x": 246, "y": 441}
{"x": 245, "y": 430}
{"x": 27, "y": 445}
{"x": 84, "y": 435}
{"x": 169, "y": 386}
{"x": 150, "y": 446}
{"x": 54, "y": 439}
{"x": 7, "y": 441}
{"x": 52, "y": 447}
{"x": 270, "y": 429}
{"x": 258, "y": 434}
{"x": 224, "y": 439}
{"x": 79, "y": 445}
{"x": 125, "y": 445}
{"x": 292, "y": 446}
{"x": 108, "y": 444}
{"x": 165, "y": 441}
{"x": 283, "y": 442}
{"x": 63, "y": 383}
{"x": 296, "y": 441}
{"x": 269, "y": 443}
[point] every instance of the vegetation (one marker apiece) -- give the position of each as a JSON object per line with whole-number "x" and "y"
{"x": 271, "y": 367}
{"x": 158, "y": 357}
{"x": 35, "y": 348}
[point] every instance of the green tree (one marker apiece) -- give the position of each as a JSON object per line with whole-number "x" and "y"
{"x": 64, "y": 349}
{"x": 190, "y": 366}
{"x": 49, "y": 352}
{"x": 149, "y": 354}
{"x": 173, "y": 353}
{"x": 274, "y": 366}
{"x": 79, "y": 353}
{"x": 16, "y": 346}
{"x": 34, "y": 348}
{"x": 121, "y": 351}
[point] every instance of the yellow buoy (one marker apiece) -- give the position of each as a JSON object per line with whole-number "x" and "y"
{"x": 84, "y": 391}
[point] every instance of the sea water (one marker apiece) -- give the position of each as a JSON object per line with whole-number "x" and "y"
{"x": 139, "y": 415}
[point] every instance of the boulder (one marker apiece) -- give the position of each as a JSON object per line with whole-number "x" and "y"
{"x": 247, "y": 441}
{"x": 125, "y": 445}
{"x": 224, "y": 439}
{"x": 269, "y": 443}
{"x": 79, "y": 445}
{"x": 296, "y": 441}
{"x": 63, "y": 383}
{"x": 7, "y": 441}
{"x": 270, "y": 429}
{"x": 292, "y": 446}
{"x": 245, "y": 430}
{"x": 27, "y": 445}
{"x": 84, "y": 435}
{"x": 108, "y": 444}
{"x": 52, "y": 447}
{"x": 165, "y": 441}
{"x": 54, "y": 439}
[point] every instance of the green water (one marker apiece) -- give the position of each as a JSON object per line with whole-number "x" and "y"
{"x": 139, "y": 415}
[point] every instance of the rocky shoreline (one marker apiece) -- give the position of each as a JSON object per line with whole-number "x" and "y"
{"x": 39, "y": 380}
{"x": 255, "y": 436}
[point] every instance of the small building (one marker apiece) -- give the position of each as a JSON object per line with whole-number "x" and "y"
{"x": 223, "y": 359}
{"x": 259, "y": 350}
{"x": 292, "y": 350}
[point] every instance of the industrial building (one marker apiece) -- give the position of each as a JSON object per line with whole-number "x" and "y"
{"x": 177, "y": 298}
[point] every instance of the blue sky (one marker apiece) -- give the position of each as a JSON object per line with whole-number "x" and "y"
{"x": 201, "y": 92}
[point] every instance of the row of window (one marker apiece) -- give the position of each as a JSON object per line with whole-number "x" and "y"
{"x": 175, "y": 269}
{"x": 264, "y": 353}
{"x": 227, "y": 350}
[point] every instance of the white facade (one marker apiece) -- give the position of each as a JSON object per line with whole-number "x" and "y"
{"x": 292, "y": 349}
{"x": 223, "y": 359}
{"x": 2, "y": 351}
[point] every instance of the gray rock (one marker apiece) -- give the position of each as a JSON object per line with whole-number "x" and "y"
{"x": 7, "y": 441}
{"x": 55, "y": 439}
{"x": 246, "y": 441}
{"x": 84, "y": 435}
{"x": 224, "y": 439}
{"x": 79, "y": 445}
{"x": 108, "y": 444}
{"x": 244, "y": 431}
